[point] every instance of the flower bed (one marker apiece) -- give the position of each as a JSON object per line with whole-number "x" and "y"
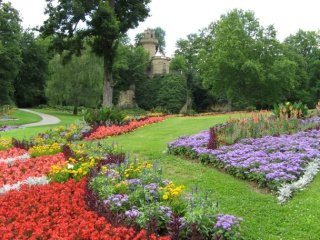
{"x": 268, "y": 160}
{"x": 108, "y": 131}
{"x": 12, "y": 153}
{"x": 135, "y": 194}
{"x": 55, "y": 211}
{"x": 33, "y": 167}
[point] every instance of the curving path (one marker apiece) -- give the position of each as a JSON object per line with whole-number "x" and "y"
{"x": 46, "y": 119}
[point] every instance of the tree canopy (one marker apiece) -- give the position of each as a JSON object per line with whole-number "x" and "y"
{"x": 10, "y": 52}
{"x": 100, "y": 23}
{"x": 33, "y": 70}
{"x": 76, "y": 82}
{"x": 246, "y": 62}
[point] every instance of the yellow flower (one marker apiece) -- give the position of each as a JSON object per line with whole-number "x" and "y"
{"x": 165, "y": 197}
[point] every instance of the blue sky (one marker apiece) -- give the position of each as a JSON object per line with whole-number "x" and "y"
{"x": 182, "y": 17}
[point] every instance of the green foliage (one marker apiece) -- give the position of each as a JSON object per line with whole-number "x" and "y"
{"x": 29, "y": 83}
{"x": 189, "y": 112}
{"x": 10, "y": 55}
{"x": 168, "y": 92}
{"x": 129, "y": 68}
{"x": 107, "y": 22}
{"x": 246, "y": 62}
{"x": 60, "y": 177}
{"x": 297, "y": 109}
{"x": 172, "y": 94}
{"x": 303, "y": 48}
{"x": 103, "y": 116}
{"x": 77, "y": 83}
{"x": 147, "y": 91}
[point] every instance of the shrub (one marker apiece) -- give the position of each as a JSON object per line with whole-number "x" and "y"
{"x": 173, "y": 93}
{"x": 105, "y": 116}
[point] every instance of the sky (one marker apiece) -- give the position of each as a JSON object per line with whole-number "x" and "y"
{"x": 182, "y": 17}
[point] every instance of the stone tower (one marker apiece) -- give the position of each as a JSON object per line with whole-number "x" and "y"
{"x": 159, "y": 64}
{"x": 149, "y": 42}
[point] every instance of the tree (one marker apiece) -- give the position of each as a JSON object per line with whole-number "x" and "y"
{"x": 246, "y": 62}
{"x": 303, "y": 48}
{"x": 186, "y": 61}
{"x": 99, "y": 22}
{"x": 30, "y": 81}
{"x": 76, "y": 82}
{"x": 10, "y": 53}
{"x": 129, "y": 67}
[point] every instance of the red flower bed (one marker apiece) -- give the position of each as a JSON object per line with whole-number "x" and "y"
{"x": 11, "y": 153}
{"x": 32, "y": 167}
{"x": 107, "y": 131}
{"x": 55, "y": 211}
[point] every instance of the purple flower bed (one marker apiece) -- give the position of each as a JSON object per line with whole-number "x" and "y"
{"x": 269, "y": 160}
{"x": 8, "y": 128}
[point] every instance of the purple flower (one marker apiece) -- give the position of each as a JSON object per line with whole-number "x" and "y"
{"x": 226, "y": 222}
{"x": 133, "y": 213}
{"x": 116, "y": 200}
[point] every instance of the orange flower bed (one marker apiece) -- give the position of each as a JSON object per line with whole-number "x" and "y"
{"x": 108, "y": 131}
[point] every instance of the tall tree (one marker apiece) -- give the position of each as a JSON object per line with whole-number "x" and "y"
{"x": 186, "y": 61}
{"x": 75, "y": 83}
{"x": 10, "y": 53}
{"x": 303, "y": 48}
{"x": 29, "y": 83}
{"x": 246, "y": 62}
{"x": 130, "y": 65}
{"x": 100, "y": 22}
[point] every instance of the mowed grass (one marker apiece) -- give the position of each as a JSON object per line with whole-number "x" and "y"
{"x": 263, "y": 217}
{"x": 21, "y": 118}
{"x": 66, "y": 120}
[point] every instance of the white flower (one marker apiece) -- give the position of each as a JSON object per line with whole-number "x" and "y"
{"x": 70, "y": 166}
{"x": 285, "y": 191}
{"x": 30, "y": 181}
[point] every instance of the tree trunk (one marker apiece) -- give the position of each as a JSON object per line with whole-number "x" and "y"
{"x": 107, "y": 84}
{"x": 229, "y": 104}
{"x": 75, "y": 110}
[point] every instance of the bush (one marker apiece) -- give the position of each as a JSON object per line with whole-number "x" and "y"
{"x": 147, "y": 91}
{"x": 173, "y": 93}
{"x": 105, "y": 116}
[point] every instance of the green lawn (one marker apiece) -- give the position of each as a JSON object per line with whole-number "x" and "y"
{"x": 263, "y": 217}
{"x": 21, "y": 118}
{"x": 25, "y": 117}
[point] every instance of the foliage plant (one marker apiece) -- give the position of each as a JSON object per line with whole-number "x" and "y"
{"x": 259, "y": 125}
{"x": 136, "y": 191}
{"x": 297, "y": 110}
{"x": 105, "y": 116}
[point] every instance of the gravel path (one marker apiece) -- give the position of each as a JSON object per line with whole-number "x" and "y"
{"x": 46, "y": 119}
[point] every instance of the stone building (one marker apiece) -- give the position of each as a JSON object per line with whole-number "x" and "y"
{"x": 158, "y": 64}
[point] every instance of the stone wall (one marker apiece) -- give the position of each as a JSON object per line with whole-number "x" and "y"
{"x": 126, "y": 98}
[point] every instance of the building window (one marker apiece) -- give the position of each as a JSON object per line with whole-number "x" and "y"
{"x": 164, "y": 70}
